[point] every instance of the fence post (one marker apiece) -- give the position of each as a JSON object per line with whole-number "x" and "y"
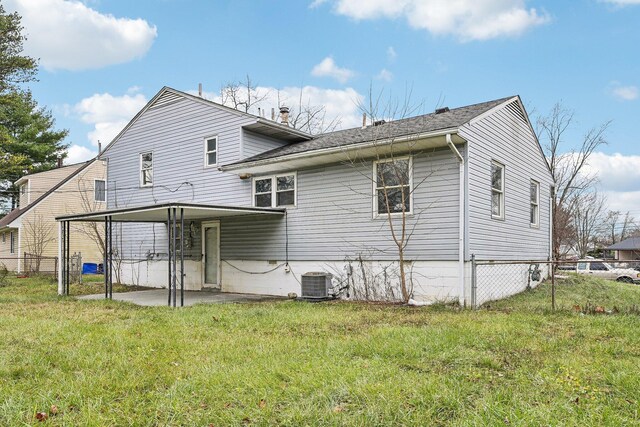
{"x": 553, "y": 286}
{"x": 473, "y": 281}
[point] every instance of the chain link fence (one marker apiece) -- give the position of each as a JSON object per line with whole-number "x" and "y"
{"x": 496, "y": 280}
{"x": 493, "y": 281}
{"x": 30, "y": 265}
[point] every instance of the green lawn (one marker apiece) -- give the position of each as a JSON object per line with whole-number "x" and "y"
{"x": 291, "y": 363}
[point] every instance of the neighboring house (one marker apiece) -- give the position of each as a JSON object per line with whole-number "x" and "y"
{"x": 31, "y": 228}
{"x": 265, "y": 203}
{"x": 626, "y": 250}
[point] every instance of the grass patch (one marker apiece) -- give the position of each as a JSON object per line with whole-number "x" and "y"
{"x": 292, "y": 363}
{"x": 576, "y": 291}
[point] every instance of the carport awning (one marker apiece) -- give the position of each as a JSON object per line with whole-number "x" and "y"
{"x": 159, "y": 213}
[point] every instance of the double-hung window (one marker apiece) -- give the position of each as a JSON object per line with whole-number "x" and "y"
{"x": 274, "y": 191}
{"x": 392, "y": 182}
{"x": 99, "y": 190}
{"x": 497, "y": 190}
{"x": 211, "y": 151}
{"x": 146, "y": 169}
{"x": 23, "y": 195}
{"x": 535, "y": 203}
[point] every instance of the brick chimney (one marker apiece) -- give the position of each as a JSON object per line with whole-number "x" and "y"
{"x": 284, "y": 115}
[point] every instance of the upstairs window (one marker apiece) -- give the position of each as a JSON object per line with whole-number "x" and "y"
{"x": 535, "y": 203}
{"x": 274, "y": 191}
{"x": 4, "y": 237}
{"x": 23, "y": 194}
{"x": 497, "y": 190}
{"x": 146, "y": 169}
{"x": 392, "y": 182}
{"x": 211, "y": 151}
{"x": 12, "y": 242}
{"x": 99, "y": 190}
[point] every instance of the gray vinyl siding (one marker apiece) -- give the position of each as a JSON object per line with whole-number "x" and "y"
{"x": 175, "y": 133}
{"x": 253, "y": 144}
{"x": 506, "y": 138}
{"x": 334, "y": 219}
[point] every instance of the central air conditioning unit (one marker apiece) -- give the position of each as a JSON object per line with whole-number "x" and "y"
{"x": 316, "y": 285}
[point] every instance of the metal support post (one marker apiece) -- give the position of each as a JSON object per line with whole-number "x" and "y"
{"x": 474, "y": 287}
{"x": 169, "y": 253}
{"x": 181, "y": 257}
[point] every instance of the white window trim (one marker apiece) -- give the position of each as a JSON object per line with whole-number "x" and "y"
{"x": 376, "y": 214}
{"x": 153, "y": 179}
{"x": 503, "y": 192}
{"x": 274, "y": 191}
{"x": 105, "y": 189}
{"x": 206, "y": 152}
{"x": 535, "y": 224}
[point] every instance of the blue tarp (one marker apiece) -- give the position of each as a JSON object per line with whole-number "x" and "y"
{"x": 89, "y": 268}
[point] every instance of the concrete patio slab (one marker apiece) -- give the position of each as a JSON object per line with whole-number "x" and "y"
{"x": 156, "y": 297}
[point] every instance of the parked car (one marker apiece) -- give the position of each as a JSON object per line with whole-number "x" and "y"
{"x": 604, "y": 270}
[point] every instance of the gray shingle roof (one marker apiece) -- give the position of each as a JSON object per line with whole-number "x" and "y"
{"x": 410, "y": 126}
{"x": 631, "y": 244}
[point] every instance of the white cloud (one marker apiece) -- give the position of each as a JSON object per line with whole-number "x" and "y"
{"x": 341, "y": 106}
{"x": 465, "y": 19}
{"x": 391, "y": 53}
{"x": 624, "y": 93}
{"x": 622, "y": 2}
{"x": 78, "y": 153}
{"x": 328, "y": 68}
{"x": 616, "y": 172}
{"x": 385, "y": 75}
{"x": 108, "y": 114}
{"x": 317, "y": 3}
{"x": 70, "y": 35}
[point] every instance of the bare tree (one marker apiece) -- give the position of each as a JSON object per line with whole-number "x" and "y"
{"x": 242, "y": 95}
{"x": 393, "y": 181}
{"x": 38, "y": 235}
{"x": 567, "y": 166}
{"x": 589, "y": 210}
{"x": 246, "y": 96}
{"x": 617, "y": 228}
{"x": 94, "y": 231}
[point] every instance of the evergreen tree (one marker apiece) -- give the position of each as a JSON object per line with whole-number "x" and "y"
{"x": 28, "y": 141}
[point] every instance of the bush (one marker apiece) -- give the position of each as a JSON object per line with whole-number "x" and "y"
{"x": 3, "y": 274}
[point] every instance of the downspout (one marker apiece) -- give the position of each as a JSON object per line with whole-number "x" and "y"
{"x": 461, "y": 220}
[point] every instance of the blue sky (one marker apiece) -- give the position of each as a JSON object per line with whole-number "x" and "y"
{"x": 102, "y": 60}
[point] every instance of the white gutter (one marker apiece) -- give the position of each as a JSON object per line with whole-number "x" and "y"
{"x": 338, "y": 149}
{"x": 461, "y": 220}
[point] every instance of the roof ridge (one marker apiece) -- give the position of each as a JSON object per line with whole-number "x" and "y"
{"x": 497, "y": 100}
